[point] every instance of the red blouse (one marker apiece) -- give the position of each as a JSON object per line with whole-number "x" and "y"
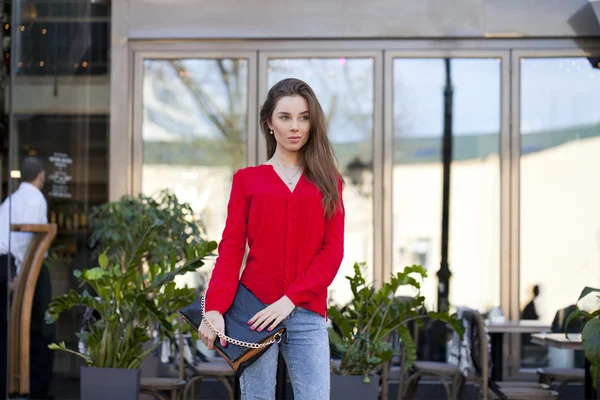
{"x": 294, "y": 249}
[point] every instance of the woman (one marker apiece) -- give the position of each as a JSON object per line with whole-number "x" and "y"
{"x": 290, "y": 212}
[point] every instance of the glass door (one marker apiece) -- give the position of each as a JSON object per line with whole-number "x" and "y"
{"x": 461, "y": 96}
{"x": 556, "y": 142}
{"x": 446, "y": 164}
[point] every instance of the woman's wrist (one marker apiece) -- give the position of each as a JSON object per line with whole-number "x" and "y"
{"x": 213, "y": 312}
{"x": 287, "y": 299}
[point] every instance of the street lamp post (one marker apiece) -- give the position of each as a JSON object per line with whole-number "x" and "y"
{"x": 444, "y": 271}
{"x": 356, "y": 170}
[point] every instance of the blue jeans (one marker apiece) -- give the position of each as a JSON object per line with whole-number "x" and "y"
{"x": 305, "y": 349}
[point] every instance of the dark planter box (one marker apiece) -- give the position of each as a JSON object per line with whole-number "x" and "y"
{"x": 110, "y": 383}
{"x": 353, "y": 388}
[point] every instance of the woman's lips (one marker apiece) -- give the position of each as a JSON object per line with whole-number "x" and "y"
{"x": 294, "y": 139}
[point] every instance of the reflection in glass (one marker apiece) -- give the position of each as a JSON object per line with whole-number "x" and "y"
{"x": 474, "y": 228}
{"x": 194, "y": 133}
{"x": 56, "y": 55}
{"x": 344, "y": 87}
{"x": 560, "y": 168}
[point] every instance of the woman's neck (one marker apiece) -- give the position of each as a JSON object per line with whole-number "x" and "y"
{"x": 287, "y": 159}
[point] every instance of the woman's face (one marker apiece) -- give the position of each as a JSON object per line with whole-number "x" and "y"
{"x": 290, "y": 123}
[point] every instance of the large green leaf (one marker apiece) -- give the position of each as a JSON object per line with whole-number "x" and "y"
{"x": 591, "y": 345}
{"x": 450, "y": 319}
{"x": 336, "y": 343}
{"x": 67, "y": 301}
{"x": 576, "y": 314}
{"x": 587, "y": 290}
{"x": 590, "y": 332}
{"x": 93, "y": 274}
{"x": 103, "y": 261}
{"x": 409, "y": 346}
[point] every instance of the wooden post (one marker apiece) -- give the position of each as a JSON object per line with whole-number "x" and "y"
{"x": 20, "y": 320}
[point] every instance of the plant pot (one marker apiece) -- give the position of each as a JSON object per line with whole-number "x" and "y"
{"x": 110, "y": 383}
{"x": 352, "y": 387}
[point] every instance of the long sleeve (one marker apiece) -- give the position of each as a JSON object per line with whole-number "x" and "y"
{"x": 325, "y": 265}
{"x": 225, "y": 277}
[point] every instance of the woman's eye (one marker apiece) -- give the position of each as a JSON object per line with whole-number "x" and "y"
{"x": 284, "y": 117}
{"x": 305, "y": 118}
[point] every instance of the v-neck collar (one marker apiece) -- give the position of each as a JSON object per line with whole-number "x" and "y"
{"x": 287, "y": 187}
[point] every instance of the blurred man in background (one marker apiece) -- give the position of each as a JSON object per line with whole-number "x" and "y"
{"x": 26, "y": 206}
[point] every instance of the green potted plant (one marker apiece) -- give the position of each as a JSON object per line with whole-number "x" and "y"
{"x": 590, "y": 334}
{"x": 361, "y": 332}
{"x": 143, "y": 244}
{"x": 118, "y": 225}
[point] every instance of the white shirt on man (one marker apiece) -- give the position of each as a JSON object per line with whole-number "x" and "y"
{"x": 28, "y": 207}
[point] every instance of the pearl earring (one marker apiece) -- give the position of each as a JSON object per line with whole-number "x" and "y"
{"x": 271, "y": 131}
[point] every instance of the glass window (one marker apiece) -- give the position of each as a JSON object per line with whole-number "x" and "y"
{"x": 560, "y": 217}
{"x": 474, "y": 224}
{"x": 194, "y": 133}
{"x": 56, "y": 54}
{"x": 345, "y": 89}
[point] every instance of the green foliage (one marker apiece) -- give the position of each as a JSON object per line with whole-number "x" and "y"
{"x": 144, "y": 245}
{"x": 166, "y": 225}
{"x": 362, "y": 331}
{"x": 590, "y": 334}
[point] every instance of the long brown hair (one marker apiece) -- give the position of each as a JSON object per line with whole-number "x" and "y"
{"x": 316, "y": 156}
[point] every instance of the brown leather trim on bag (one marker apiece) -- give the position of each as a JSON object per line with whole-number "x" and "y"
{"x": 235, "y": 364}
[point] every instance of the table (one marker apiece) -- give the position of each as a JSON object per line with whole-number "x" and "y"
{"x": 521, "y": 326}
{"x": 497, "y": 331}
{"x": 571, "y": 342}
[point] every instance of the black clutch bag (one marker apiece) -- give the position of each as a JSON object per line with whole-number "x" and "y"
{"x": 244, "y": 346}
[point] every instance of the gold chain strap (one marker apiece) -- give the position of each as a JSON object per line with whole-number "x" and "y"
{"x": 221, "y": 335}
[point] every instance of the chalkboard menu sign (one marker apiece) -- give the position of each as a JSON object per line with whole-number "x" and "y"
{"x": 60, "y": 177}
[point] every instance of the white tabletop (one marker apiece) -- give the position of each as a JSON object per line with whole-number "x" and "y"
{"x": 522, "y": 326}
{"x": 558, "y": 340}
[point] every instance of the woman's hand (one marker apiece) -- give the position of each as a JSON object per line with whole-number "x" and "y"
{"x": 206, "y": 334}
{"x": 271, "y": 316}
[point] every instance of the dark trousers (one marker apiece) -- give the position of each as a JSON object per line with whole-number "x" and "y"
{"x": 41, "y": 334}
{"x": 4, "y": 312}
